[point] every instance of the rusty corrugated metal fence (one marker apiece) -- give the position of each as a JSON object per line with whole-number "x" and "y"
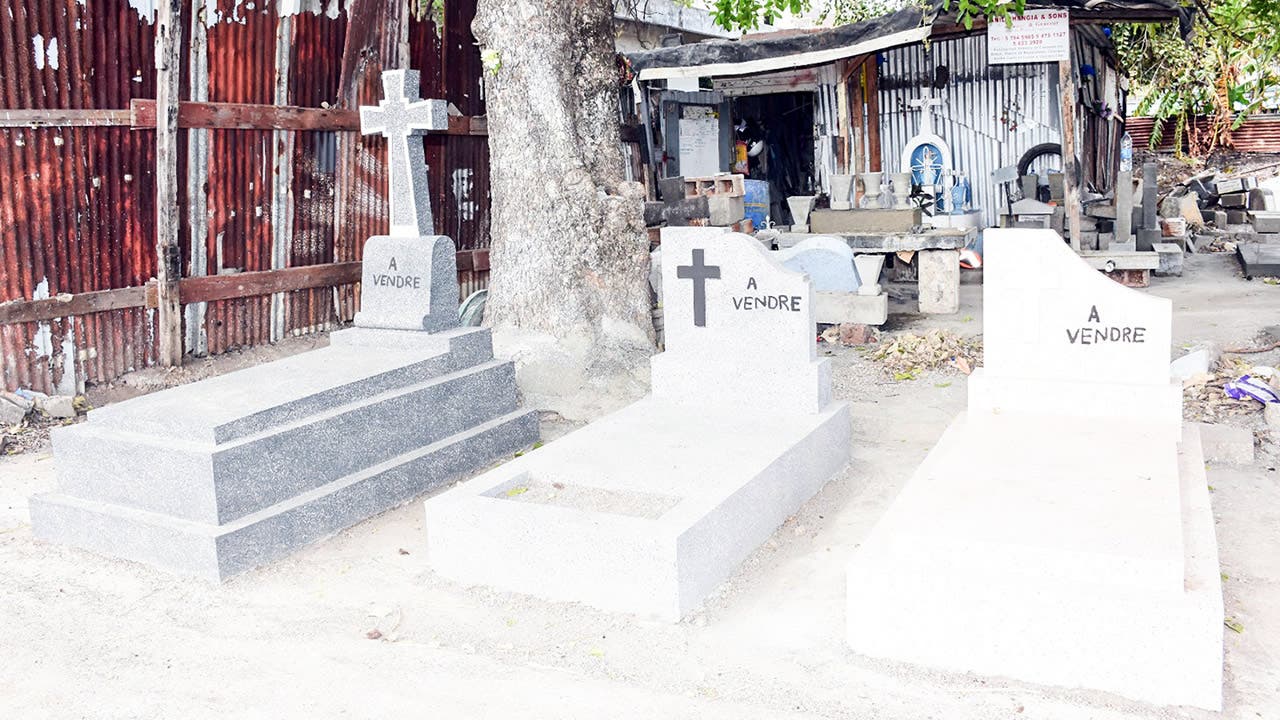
{"x": 76, "y": 188}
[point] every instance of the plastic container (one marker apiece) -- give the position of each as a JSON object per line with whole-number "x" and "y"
{"x": 756, "y": 201}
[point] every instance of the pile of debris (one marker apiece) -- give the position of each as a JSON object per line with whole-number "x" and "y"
{"x": 907, "y": 356}
{"x": 26, "y": 416}
{"x": 1230, "y": 214}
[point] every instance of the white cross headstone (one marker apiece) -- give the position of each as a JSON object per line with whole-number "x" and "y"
{"x": 403, "y": 118}
{"x": 409, "y": 278}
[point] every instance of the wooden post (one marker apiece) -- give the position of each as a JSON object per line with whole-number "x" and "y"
{"x": 1070, "y": 165}
{"x": 874, "y": 163}
{"x": 168, "y": 254}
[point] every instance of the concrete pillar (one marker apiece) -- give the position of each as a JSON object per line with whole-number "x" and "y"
{"x": 939, "y": 281}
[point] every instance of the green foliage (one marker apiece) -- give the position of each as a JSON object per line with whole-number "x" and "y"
{"x": 747, "y": 14}
{"x": 1223, "y": 71}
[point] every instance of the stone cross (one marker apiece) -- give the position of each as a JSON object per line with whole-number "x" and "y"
{"x": 699, "y": 273}
{"x": 403, "y": 118}
{"x": 926, "y": 104}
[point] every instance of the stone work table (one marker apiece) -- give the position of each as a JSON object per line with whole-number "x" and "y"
{"x": 939, "y": 250}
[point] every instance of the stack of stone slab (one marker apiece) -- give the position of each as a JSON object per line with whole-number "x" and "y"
{"x": 647, "y": 510}
{"x": 1060, "y": 532}
{"x": 223, "y": 475}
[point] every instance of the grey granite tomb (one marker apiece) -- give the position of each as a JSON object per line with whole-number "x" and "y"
{"x": 223, "y": 475}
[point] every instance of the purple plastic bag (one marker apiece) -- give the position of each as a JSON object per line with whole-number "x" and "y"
{"x": 1251, "y": 388}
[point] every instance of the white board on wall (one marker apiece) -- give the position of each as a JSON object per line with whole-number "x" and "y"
{"x": 699, "y": 146}
{"x": 1037, "y": 36}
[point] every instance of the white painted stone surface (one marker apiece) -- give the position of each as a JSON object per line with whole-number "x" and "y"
{"x": 647, "y": 510}
{"x": 754, "y": 344}
{"x": 1060, "y": 532}
{"x": 1061, "y": 339}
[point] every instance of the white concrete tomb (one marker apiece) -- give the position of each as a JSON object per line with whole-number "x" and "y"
{"x": 647, "y": 510}
{"x": 1060, "y": 532}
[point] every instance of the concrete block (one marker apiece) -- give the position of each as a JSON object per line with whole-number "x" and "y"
{"x": 653, "y": 212}
{"x": 679, "y": 212}
{"x": 671, "y": 189}
{"x": 939, "y": 282}
{"x": 1234, "y": 200}
{"x": 1259, "y": 259}
{"x": 1057, "y": 188}
{"x": 1147, "y": 239}
{"x": 1220, "y": 218}
{"x": 834, "y": 308}
{"x": 58, "y": 406}
{"x": 1170, "y": 257}
{"x": 1189, "y": 210}
{"x": 725, "y": 210}
{"x": 1265, "y": 222}
{"x": 12, "y": 413}
{"x": 1237, "y": 217}
{"x": 858, "y": 221}
{"x": 1271, "y": 413}
{"x": 1226, "y": 444}
{"x": 1230, "y": 187}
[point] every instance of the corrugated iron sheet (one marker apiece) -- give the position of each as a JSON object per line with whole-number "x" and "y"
{"x": 77, "y": 209}
{"x": 1259, "y": 133}
{"x": 75, "y": 204}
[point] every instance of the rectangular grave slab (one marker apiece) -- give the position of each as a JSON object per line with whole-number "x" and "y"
{"x": 1060, "y": 531}
{"x": 647, "y": 510}
{"x": 227, "y": 467}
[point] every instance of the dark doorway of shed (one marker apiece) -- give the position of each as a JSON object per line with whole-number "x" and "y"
{"x": 777, "y": 130}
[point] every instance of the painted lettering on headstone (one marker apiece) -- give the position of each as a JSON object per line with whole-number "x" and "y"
{"x": 1095, "y": 332}
{"x": 392, "y": 279}
{"x": 786, "y": 303}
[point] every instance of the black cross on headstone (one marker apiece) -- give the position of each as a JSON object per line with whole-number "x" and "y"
{"x": 699, "y": 274}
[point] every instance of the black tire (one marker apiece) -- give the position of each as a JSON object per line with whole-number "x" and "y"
{"x": 1030, "y": 156}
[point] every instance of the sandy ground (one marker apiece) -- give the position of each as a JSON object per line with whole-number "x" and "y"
{"x": 87, "y": 637}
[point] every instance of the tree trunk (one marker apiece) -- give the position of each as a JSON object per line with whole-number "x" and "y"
{"x": 568, "y": 296}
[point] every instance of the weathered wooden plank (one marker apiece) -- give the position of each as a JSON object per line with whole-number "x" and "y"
{"x": 65, "y": 118}
{"x": 67, "y": 305}
{"x": 245, "y": 116}
{"x": 265, "y": 282}
{"x": 168, "y": 262}
{"x": 1070, "y": 165}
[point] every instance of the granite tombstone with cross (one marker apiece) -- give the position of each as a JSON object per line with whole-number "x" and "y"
{"x": 1060, "y": 532}
{"x": 226, "y": 474}
{"x": 647, "y": 510}
{"x": 409, "y": 278}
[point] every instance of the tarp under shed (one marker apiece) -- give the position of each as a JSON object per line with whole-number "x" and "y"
{"x": 779, "y": 51}
{"x": 772, "y": 52}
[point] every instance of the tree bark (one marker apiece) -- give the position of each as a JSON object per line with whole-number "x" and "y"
{"x": 568, "y": 294}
